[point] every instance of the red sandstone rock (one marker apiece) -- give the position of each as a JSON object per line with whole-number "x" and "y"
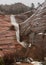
{"x": 7, "y": 36}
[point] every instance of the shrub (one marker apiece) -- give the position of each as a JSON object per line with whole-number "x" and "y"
{"x": 9, "y": 59}
{"x": 1, "y": 61}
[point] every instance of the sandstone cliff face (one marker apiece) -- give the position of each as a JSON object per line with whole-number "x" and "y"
{"x": 35, "y": 29}
{"x": 8, "y": 42}
{"x": 36, "y": 22}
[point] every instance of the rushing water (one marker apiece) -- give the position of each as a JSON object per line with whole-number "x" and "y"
{"x": 16, "y": 25}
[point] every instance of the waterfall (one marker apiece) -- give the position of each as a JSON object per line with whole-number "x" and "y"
{"x": 16, "y": 25}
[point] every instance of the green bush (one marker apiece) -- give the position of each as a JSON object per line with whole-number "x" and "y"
{"x": 1, "y": 61}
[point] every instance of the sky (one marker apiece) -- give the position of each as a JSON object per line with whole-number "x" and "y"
{"x": 26, "y": 2}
